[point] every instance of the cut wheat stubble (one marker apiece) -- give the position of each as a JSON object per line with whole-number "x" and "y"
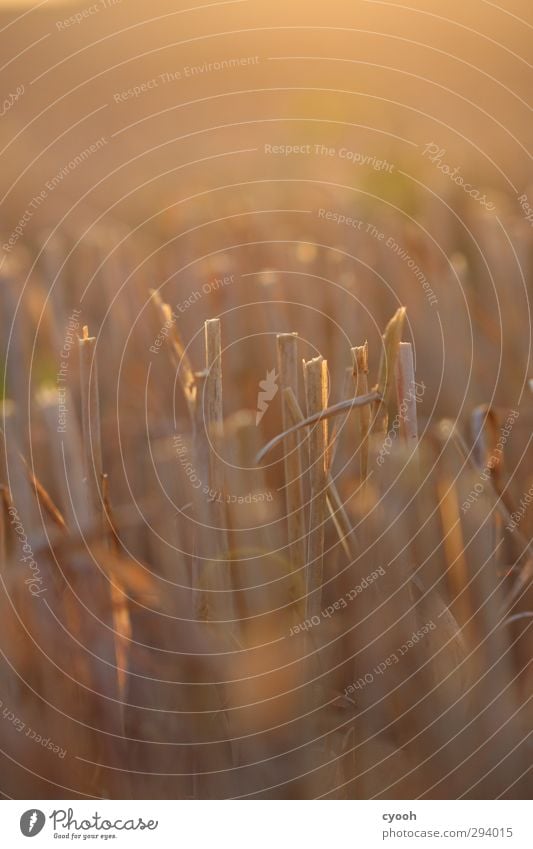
{"x": 288, "y": 376}
{"x": 360, "y": 373}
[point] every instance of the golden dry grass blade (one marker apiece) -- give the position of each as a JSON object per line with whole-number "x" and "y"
{"x": 133, "y": 576}
{"x": 4, "y": 507}
{"x": 66, "y": 456}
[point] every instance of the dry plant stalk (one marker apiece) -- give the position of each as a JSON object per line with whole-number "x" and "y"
{"x": 99, "y": 500}
{"x": 214, "y": 414}
{"x": 119, "y": 604}
{"x": 406, "y": 394}
{"x": 176, "y": 349}
{"x": 201, "y": 443}
{"x": 211, "y": 575}
{"x": 360, "y": 370}
{"x": 288, "y": 376}
{"x": 335, "y": 505}
{"x": 478, "y": 420}
{"x": 21, "y": 489}
{"x": 214, "y": 422}
{"x": 5, "y": 504}
{"x": 90, "y": 416}
{"x": 489, "y": 456}
{"x": 330, "y": 412}
{"x": 44, "y": 498}
{"x": 389, "y": 353}
{"x": 454, "y": 545}
{"x": 347, "y": 395}
{"x": 523, "y": 580}
{"x": 334, "y": 438}
{"x": 316, "y": 390}
{"x": 248, "y": 740}
{"x": 447, "y": 429}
